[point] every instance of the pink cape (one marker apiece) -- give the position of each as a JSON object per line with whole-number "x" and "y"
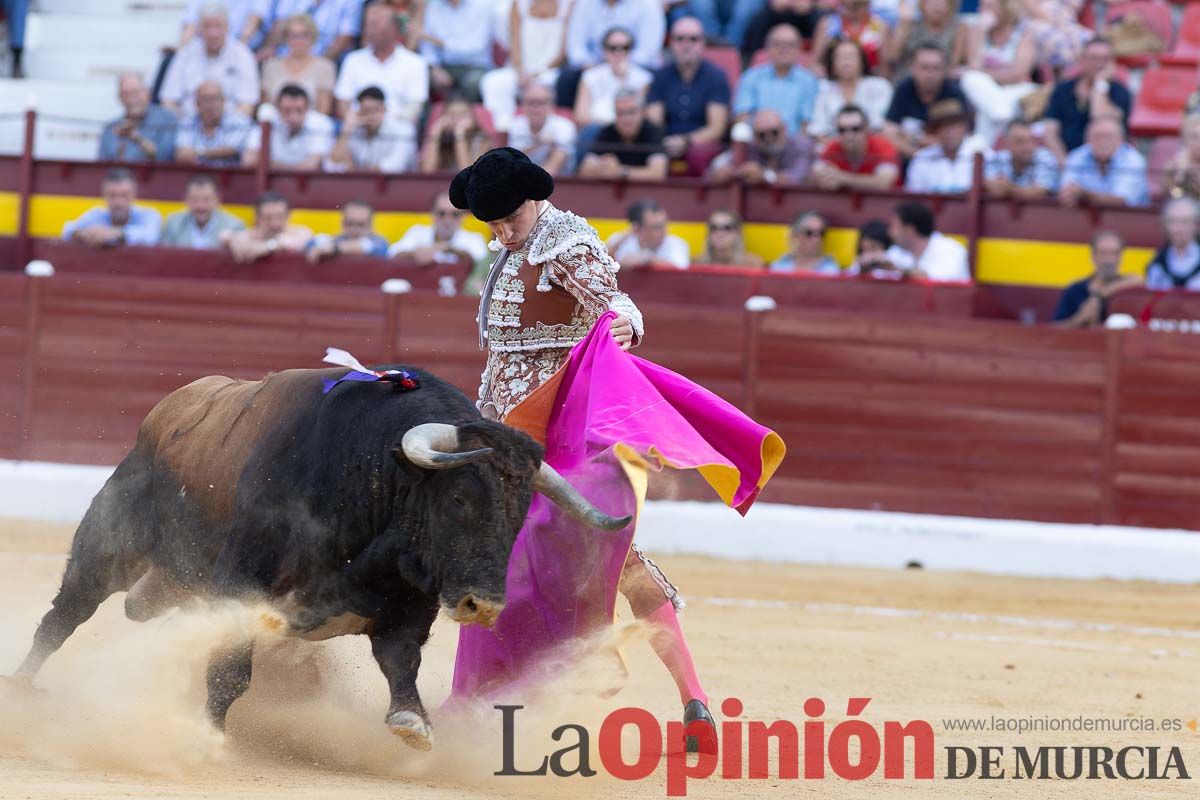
{"x": 615, "y": 416}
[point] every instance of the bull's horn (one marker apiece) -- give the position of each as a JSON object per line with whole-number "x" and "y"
{"x": 563, "y": 494}
{"x": 432, "y": 446}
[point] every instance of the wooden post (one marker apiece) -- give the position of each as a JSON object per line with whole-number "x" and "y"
{"x": 755, "y": 307}
{"x": 25, "y": 190}
{"x": 1108, "y": 438}
{"x": 975, "y": 213}
{"x": 393, "y": 290}
{"x": 34, "y": 289}
{"x": 262, "y": 170}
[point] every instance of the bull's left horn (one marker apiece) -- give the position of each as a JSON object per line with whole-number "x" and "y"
{"x": 567, "y": 497}
{"x": 432, "y": 445}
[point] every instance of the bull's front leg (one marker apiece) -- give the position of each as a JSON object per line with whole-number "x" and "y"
{"x": 396, "y": 641}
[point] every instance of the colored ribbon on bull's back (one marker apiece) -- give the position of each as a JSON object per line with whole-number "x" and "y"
{"x": 612, "y": 417}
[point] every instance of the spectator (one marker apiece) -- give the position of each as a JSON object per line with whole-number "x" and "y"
{"x": 854, "y": 21}
{"x": 806, "y": 253}
{"x": 537, "y": 49}
{"x": 301, "y": 136}
{"x": 407, "y": 15}
{"x": 631, "y": 148}
{"x": 803, "y": 15}
{"x": 915, "y": 95}
{"x": 849, "y": 83}
{"x": 921, "y": 252}
{"x": 921, "y": 23}
{"x": 647, "y": 242}
{"x": 145, "y": 133}
{"x": 213, "y": 136}
{"x": 444, "y": 241}
{"x": 358, "y": 236}
{"x": 1177, "y": 263}
{"x": 1057, "y": 32}
{"x": 371, "y": 141}
{"x": 454, "y": 140}
{"x": 547, "y": 138}
{"x": 335, "y": 25}
{"x": 119, "y": 220}
{"x": 1106, "y": 171}
{"x": 456, "y": 41}
{"x": 1000, "y": 64}
{"x": 598, "y": 87}
{"x": 724, "y": 20}
{"x": 871, "y": 255}
{"x": 772, "y": 157}
{"x": 14, "y": 14}
{"x": 401, "y": 74}
{"x": 689, "y": 98}
{"x": 781, "y": 84}
{"x": 857, "y": 159}
{"x": 1085, "y": 303}
{"x": 590, "y": 21}
{"x": 271, "y": 233}
{"x": 314, "y": 74}
{"x": 1022, "y": 169}
{"x": 1093, "y": 93}
{"x": 204, "y": 222}
{"x": 212, "y": 57}
{"x": 725, "y": 244}
{"x": 1182, "y": 172}
{"x": 948, "y": 166}
{"x": 244, "y": 18}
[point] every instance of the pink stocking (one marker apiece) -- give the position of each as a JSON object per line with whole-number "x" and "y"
{"x": 673, "y": 650}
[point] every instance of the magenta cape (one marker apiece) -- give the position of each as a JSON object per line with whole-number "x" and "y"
{"x": 614, "y": 417}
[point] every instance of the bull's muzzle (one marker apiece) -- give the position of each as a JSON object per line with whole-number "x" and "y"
{"x": 473, "y": 609}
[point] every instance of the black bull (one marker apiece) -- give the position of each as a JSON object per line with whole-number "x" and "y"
{"x": 357, "y": 511}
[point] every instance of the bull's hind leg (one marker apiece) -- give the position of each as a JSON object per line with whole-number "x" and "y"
{"x": 228, "y": 679}
{"x": 396, "y": 643}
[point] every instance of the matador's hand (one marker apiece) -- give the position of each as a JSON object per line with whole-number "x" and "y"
{"x": 622, "y": 331}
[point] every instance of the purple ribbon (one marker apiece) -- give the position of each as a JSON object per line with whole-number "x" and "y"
{"x": 405, "y": 381}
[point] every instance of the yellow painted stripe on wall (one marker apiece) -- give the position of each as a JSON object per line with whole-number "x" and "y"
{"x": 9, "y": 205}
{"x": 1013, "y": 261}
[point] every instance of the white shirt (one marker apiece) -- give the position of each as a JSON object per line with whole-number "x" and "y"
{"x": 392, "y": 149}
{"x": 557, "y": 133}
{"x": 604, "y": 84}
{"x": 931, "y": 170}
{"x": 943, "y": 260}
{"x": 403, "y": 78}
{"x": 234, "y": 68}
{"x": 419, "y": 236}
{"x": 872, "y": 94}
{"x": 673, "y": 250}
{"x": 315, "y": 137}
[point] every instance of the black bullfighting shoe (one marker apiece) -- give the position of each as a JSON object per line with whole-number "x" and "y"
{"x": 704, "y": 741}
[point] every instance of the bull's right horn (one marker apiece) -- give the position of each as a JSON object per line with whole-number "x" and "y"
{"x": 432, "y": 445}
{"x": 567, "y": 497}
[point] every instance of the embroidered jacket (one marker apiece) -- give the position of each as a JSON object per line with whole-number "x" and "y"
{"x": 546, "y": 298}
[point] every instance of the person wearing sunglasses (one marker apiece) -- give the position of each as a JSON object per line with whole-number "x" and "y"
{"x": 595, "y": 104}
{"x": 444, "y": 241}
{"x": 587, "y": 27}
{"x": 848, "y": 82}
{"x": 807, "y": 248}
{"x": 856, "y": 159}
{"x": 780, "y": 84}
{"x": 689, "y": 98}
{"x": 771, "y": 157}
{"x": 724, "y": 243}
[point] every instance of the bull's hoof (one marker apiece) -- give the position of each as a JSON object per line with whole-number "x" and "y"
{"x": 412, "y": 728}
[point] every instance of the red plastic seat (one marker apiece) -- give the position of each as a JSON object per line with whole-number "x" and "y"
{"x": 1187, "y": 44}
{"x": 729, "y": 60}
{"x": 1158, "y": 107}
{"x": 1157, "y": 17}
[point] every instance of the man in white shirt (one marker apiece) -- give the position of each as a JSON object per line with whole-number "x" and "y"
{"x": 547, "y": 138}
{"x": 443, "y": 242}
{"x": 647, "y": 242}
{"x": 948, "y": 166}
{"x": 212, "y": 56}
{"x": 920, "y": 251}
{"x": 402, "y": 75}
{"x": 301, "y": 136}
{"x": 371, "y": 141}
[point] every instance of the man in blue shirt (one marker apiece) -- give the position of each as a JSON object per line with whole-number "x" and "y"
{"x": 689, "y": 98}
{"x": 1023, "y": 170}
{"x": 781, "y": 84}
{"x": 1107, "y": 171}
{"x": 1085, "y": 302}
{"x": 358, "y": 236}
{"x": 145, "y": 133}
{"x": 119, "y": 221}
{"x": 1076, "y": 102}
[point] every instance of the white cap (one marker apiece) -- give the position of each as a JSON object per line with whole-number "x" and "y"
{"x": 39, "y": 268}
{"x": 1120, "y": 322}
{"x": 396, "y": 286}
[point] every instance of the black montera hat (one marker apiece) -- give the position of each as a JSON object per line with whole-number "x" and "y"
{"x": 498, "y": 183}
